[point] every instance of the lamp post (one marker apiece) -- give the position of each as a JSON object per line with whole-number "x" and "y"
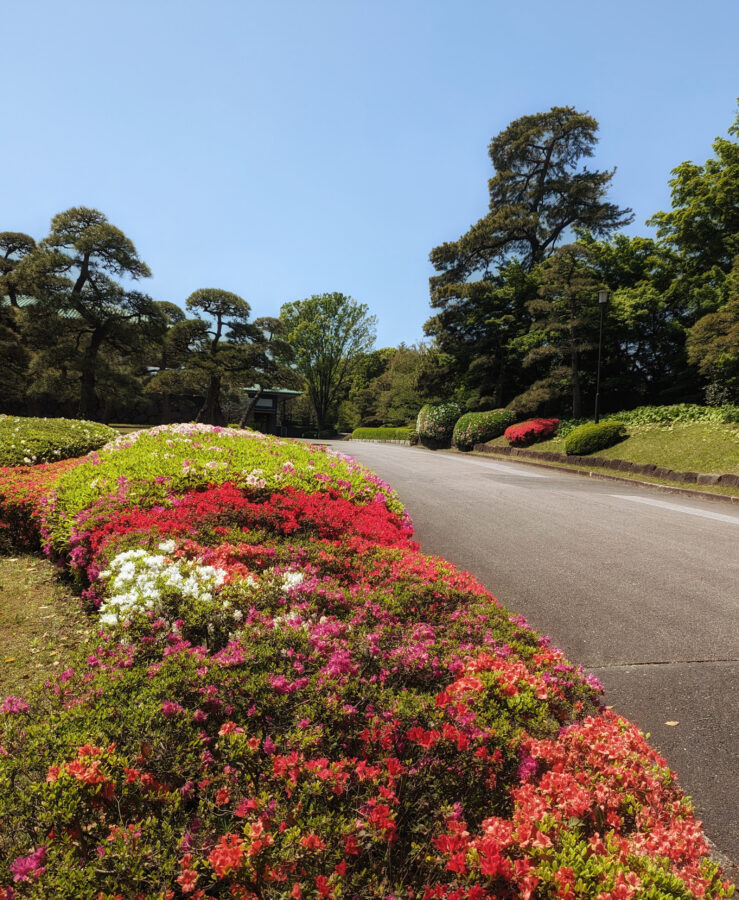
{"x": 602, "y": 301}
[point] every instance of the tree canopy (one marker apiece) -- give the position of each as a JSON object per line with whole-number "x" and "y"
{"x": 326, "y": 333}
{"x": 79, "y": 305}
{"x": 503, "y": 339}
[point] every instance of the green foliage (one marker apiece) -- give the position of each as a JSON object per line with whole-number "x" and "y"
{"x": 540, "y": 189}
{"x": 14, "y": 246}
{"x": 380, "y": 434}
{"x": 566, "y": 315}
{"x": 478, "y": 427}
{"x": 80, "y": 309}
{"x": 587, "y": 439}
{"x": 703, "y": 224}
{"x": 436, "y": 421}
{"x": 28, "y": 441}
{"x": 713, "y": 345}
{"x": 327, "y": 332}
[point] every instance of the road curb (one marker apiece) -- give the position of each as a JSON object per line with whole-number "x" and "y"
{"x": 586, "y": 473}
{"x": 593, "y": 473}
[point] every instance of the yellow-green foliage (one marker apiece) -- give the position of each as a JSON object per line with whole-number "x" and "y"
{"x": 589, "y": 438}
{"x": 478, "y": 427}
{"x": 380, "y": 434}
{"x": 26, "y": 441}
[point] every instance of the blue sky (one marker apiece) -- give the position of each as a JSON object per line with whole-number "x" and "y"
{"x": 282, "y": 149}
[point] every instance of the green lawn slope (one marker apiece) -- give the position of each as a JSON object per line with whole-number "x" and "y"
{"x": 684, "y": 447}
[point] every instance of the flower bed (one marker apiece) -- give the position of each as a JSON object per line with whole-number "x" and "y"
{"x": 531, "y": 431}
{"x": 22, "y": 491}
{"x": 286, "y": 699}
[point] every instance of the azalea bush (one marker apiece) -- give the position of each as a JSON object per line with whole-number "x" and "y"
{"x": 435, "y": 423}
{"x": 22, "y": 491}
{"x": 285, "y": 699}
{"x": 523, "y": 434}
{"x": 590, "y": 438}
{"x": 478, "y": 427}
{"x": 25, "y": 441}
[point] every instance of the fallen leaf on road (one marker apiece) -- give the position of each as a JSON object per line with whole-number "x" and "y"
{"x": 672, "y": 723}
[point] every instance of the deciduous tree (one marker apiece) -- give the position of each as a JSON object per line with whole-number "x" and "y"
{"x": 327, "y": 332}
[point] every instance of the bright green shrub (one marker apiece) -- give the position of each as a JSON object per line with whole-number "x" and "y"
{"x": 435, "y": 423}
{"x": 27, "y": 441}
{"x": 380, "y": 434}
{"x": 478, "y": 427}
{"x": 590, "y": 438}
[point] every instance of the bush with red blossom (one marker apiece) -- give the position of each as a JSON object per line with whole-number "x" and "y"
{"x": 523, "y": 434}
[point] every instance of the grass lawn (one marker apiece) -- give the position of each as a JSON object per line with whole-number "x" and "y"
{"x": 127, "y": 429}
{"x": 41, "y": 623}
{"x": 689, "y": 447}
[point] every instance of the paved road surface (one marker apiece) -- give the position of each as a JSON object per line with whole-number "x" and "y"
{"x": 640, "y": 586}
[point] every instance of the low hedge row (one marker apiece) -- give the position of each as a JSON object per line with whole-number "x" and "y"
{"x": 26, "y": 441}
{"x": 285, "y": 699}
{"x": 381, "y": 434}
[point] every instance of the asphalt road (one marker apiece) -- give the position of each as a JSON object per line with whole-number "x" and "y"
{"x": 640, "y": 586}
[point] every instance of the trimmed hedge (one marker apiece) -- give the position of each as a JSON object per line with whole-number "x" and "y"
{"x": 26, "y": 441}
{"x": 381, "y": 434}
{"x": 590, "y": 438}
{"x": 531, "y": 431}
{"x": 435, "y": 423}
{"x": 478, "y": 427}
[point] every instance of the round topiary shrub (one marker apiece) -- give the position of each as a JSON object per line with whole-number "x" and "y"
{"x": 590, "y": 438}
{"x": 531, "y": 431}
{"x": 435, "y": 423}
{"x": 478, "y": 427}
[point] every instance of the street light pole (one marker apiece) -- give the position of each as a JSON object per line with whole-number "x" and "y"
{"x": 602, "y": 301}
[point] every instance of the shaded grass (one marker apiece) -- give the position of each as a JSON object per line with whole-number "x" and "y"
{"x": 683, "y": 447}
{"x": 127, "y": 429}
{"x": 41, "y": 623}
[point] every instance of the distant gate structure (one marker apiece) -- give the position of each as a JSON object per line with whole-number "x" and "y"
{"x": 269, "y": 408}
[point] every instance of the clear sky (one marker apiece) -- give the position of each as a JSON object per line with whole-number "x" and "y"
{"x": 284, "y": 148}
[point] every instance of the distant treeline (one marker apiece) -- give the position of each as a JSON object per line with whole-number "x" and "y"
{"x": 516, "y": 319}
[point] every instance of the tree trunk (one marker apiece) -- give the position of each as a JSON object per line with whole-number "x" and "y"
{"x": 88, "y": 400}
{"x": 210, "y": 411}
{"x": 165, "y": 414}
{"x": 576, "y": 394}
{"x": 250, "y": 406}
